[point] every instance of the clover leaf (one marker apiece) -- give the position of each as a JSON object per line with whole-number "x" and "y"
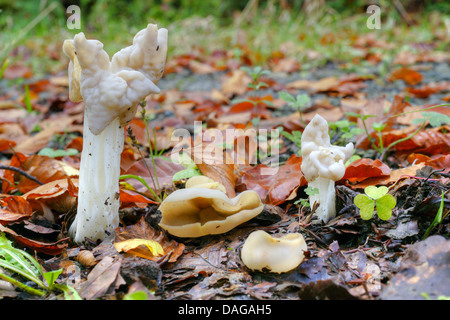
{"x": 375, "y": 197}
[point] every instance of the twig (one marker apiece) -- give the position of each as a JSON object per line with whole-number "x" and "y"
{"x": 22, "y": 172}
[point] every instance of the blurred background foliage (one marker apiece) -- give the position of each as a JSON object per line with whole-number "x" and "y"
{"x": 262, "y": 25}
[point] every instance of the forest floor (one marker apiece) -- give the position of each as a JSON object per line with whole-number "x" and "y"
{"x": 404, "y": 257}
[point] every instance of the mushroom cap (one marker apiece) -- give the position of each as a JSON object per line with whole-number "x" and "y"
{"x": 204, "y": 182}
{"x": 74, "y": 72}
{"x": 320, "y": 158}
{"x": 263, "y": 252}
{"x": 195, "y": 212}
{"x": 114, "y": 89}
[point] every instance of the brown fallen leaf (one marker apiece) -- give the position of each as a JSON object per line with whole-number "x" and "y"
{"x": 165, "y": 169}
{"x": 365, "y": 168}
{"x": 236, "y": 84}
{"x": 428, "y": 89}
{"x": 59, "y": 195}
{"x": 410, "y": 76}
{"x": 50, "y": 248}
{"x": 14, "y": 209}
{"x": 144, "y": 231}
{"x": 104, "y": 277}
{"x": 275, "y": 188}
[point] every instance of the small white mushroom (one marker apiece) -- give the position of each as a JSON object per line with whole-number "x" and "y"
{"x": 263, "y": 252}
{"x": 203, "y": 208}
{"x": 322, "y": 165}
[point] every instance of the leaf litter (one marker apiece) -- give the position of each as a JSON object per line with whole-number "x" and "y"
{"x": 347, "y": 258}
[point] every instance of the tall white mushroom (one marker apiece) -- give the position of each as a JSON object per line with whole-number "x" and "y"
{"x": 111, "y": 91}
{"x": 322, "y": 165}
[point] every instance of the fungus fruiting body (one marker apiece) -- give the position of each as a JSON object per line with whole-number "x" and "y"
{"x": 111, "y": 91}
{"x": 203, "y": 208}
{"x": 264, "y": 252}
{"x": 322, "y": 165}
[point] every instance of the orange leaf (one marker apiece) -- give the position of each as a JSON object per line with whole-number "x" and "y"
{"x": 14, "y": 209}
{"x": 364, "y": 168}
{"x": 410, "y": 76}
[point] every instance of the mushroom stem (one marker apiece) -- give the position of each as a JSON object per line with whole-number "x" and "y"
{"x": 98, "y": 193}
{"x": 326, "y": 198}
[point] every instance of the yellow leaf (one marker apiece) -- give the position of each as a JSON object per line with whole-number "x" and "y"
{"x": 127, "y": 245}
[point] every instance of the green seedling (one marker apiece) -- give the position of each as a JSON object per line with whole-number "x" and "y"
{"x": 310, "y": 192}
{"x": 300, "y": 102}
{"x": 435, "y": 119}
{"x": 21, "y": 263}
{"x": 345, "y": 129}
{"x": 255, "y": 85}
{"x": 438, "y": 218}
{"x": 295, "y": 137}
{"x": 3, "y": 68}
{"x": 375, "y": 197}
{"x": 141, "y": 180}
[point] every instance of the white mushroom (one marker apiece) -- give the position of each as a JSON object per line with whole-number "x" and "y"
{"x": 203, "y": 208}
{"x": 263, "y": 252}
{"x": 322, "y": 165}
{"x": 111, "y": 92}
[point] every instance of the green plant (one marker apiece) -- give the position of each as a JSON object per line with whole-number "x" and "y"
{"x": 375, "y": 197}
{"x": 295, "y": 137}
{"x": 23, "y": 264}
{"x": 310, "y": 192}
{"x": 344, "y": 129}
{"x": 435, "y": 119}
{"x": 300, "y": 102}
{"x": 438, "y": 218}
{"x": 255, "y": 85}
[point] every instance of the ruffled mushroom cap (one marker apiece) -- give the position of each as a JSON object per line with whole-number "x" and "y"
{"x": 263, "y": 252}
{"x": 320, "y": 158}
{"x": 114, "y": 89}
{"x": 200, "y": 209}
{"x": 74, "y": 72}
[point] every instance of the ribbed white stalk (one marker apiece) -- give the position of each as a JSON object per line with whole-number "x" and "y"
{"x": 326, "y": 198}
{"x": 98, "y": 194}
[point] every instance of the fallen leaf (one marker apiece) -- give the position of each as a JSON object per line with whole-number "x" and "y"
{"x": 51, "y": 248}
{"x": 410, "y": 76}
{"x": 129, "y": 245}
{"x": 236, "y": 84}
{"x": 275, "y": 187}
{"x": 104, "y": 276}
{"x": 14, "y": 209}
{"x": 362, "y": 169}
{"x": 165, "y": 169}
{"x": 428, "y": 89}
{"x": 144, "y": 231}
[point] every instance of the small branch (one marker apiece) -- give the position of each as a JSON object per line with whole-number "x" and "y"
{"x": 22, "y": 172}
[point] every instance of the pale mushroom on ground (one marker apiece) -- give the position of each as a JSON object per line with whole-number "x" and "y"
{"x": 203, "y": 208}
{"x": 322, "y": 165}
{"x": 111, "y": 92}
{"x": 264, "y": 252}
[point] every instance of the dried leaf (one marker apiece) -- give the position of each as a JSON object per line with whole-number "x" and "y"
{"x": 131, "y": 244}
{"x": 275, "y": 187}
{"x": 14, "y": 209}
{"x": 410, "y": 76}
{"x": 362, "y": 169}
{"x": 143, "y": 231}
